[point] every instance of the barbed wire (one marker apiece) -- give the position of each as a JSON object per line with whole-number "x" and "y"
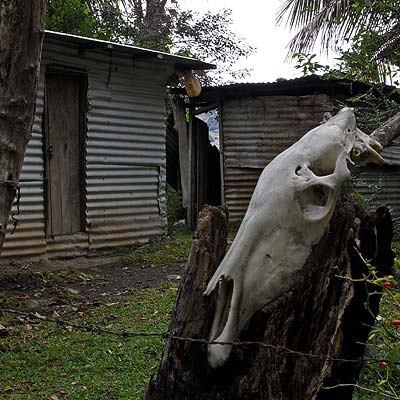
{"x": 171, "y": 336}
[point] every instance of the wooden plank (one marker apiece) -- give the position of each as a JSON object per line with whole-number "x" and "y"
{"x": 54, "y": 161}
{"x": 202, "y": 167}
{"x": 191, "y": 193}
{"x": 64, "y": 163}
{"x": 182, "y": 128}
{"x": 74, "y": 162}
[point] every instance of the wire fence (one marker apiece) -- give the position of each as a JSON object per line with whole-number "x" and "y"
{"x": 170, "y": 336}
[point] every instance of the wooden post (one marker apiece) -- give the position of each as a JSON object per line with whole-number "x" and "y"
{"x": 308, "y": 334}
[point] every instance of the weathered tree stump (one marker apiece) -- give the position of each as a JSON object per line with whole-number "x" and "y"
{"x": 307, "y": 334}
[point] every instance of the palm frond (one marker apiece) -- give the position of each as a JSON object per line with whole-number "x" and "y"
{"x": 331, "y": 21}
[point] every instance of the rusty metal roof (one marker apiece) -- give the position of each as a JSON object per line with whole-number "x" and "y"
{"x": 308, "y": 85}
{"x": 180, "y": 62}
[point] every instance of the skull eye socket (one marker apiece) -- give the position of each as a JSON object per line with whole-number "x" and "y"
{"x": 356, "y": 153}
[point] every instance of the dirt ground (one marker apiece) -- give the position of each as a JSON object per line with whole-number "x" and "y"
{"x": 40, "y": 285}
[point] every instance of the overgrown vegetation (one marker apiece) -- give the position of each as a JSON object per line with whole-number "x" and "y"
{"x": 175, "y": 211}
{"x": 381, "y": 378}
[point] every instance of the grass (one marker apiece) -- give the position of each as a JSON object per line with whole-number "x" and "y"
{"x": 162, "y": 252}
{"x": 42, "y": 360}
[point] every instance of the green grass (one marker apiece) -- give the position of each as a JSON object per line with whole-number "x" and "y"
{"x": 39, "y": 359}
{"x": 162, "y": 252}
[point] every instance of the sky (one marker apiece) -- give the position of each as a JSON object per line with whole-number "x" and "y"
{"x": 254, "y": 20}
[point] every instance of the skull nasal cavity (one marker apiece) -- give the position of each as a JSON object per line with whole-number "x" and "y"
{"x": 323, "y": 167}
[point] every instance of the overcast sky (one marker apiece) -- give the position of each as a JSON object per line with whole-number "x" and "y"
{"x": 254, "y": 20}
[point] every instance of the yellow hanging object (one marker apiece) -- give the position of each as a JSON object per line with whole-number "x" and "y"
{"x": 192, "y": 84}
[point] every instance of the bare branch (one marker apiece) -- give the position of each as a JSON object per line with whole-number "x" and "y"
{"x": 387, "y": 131}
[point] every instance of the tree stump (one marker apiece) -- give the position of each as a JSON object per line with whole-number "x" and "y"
{"x": 307, "y": 334}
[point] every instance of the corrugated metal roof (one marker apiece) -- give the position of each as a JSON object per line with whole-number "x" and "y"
{"x": 391, "y": 154}
{"x": 308, "y": 85}
{"x": 183, "y": 63}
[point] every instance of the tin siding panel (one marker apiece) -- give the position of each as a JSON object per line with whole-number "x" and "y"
{"x": 125, "y": 159}
{"x": 239, "y": 187}
{"x": 28, "y": 240}
{"x": 256, "y": 130}
{"x": 380, "y": 186}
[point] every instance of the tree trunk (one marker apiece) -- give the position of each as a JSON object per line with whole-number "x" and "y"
{"x": 388, "y": 131}
{"x": 306, "y": 334}
{"x": 153, "y": 23}
{"x": 21, "y": 34}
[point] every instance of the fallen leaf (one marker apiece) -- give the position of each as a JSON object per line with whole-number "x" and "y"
{"x": 40, "y": 316}
{"x": 112, "y": 304}
{"x": 108, "y": 373}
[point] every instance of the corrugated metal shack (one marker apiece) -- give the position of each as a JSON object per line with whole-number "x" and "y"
{"x": 94, "y": 171}
{"x": 258, "y": 121}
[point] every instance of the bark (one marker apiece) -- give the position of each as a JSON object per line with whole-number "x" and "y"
{"x": 388, "y": 131}
{"x": 21, "y": 34}
{"x": 153, "y": 22}
{"x": 323, "y": 315}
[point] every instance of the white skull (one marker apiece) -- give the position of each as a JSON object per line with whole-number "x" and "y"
{"x": 291, "y": 206}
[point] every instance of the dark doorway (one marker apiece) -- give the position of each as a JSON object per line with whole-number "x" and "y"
{"x": 65, "y": 100}
{"x": 205, "y": 170}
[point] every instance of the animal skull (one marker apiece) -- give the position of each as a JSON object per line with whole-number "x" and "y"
{"x": 291, "y": 206}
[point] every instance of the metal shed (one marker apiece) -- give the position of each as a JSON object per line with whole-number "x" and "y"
{"x": 260, "y": 120}
{"x": 94, "y": 171}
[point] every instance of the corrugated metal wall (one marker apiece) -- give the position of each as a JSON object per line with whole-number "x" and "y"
{"x": 125, "y": 156}
{"x": 28, "y": 240}
{"x": 255, "y": 130}
{"x": 380, "y": 185}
